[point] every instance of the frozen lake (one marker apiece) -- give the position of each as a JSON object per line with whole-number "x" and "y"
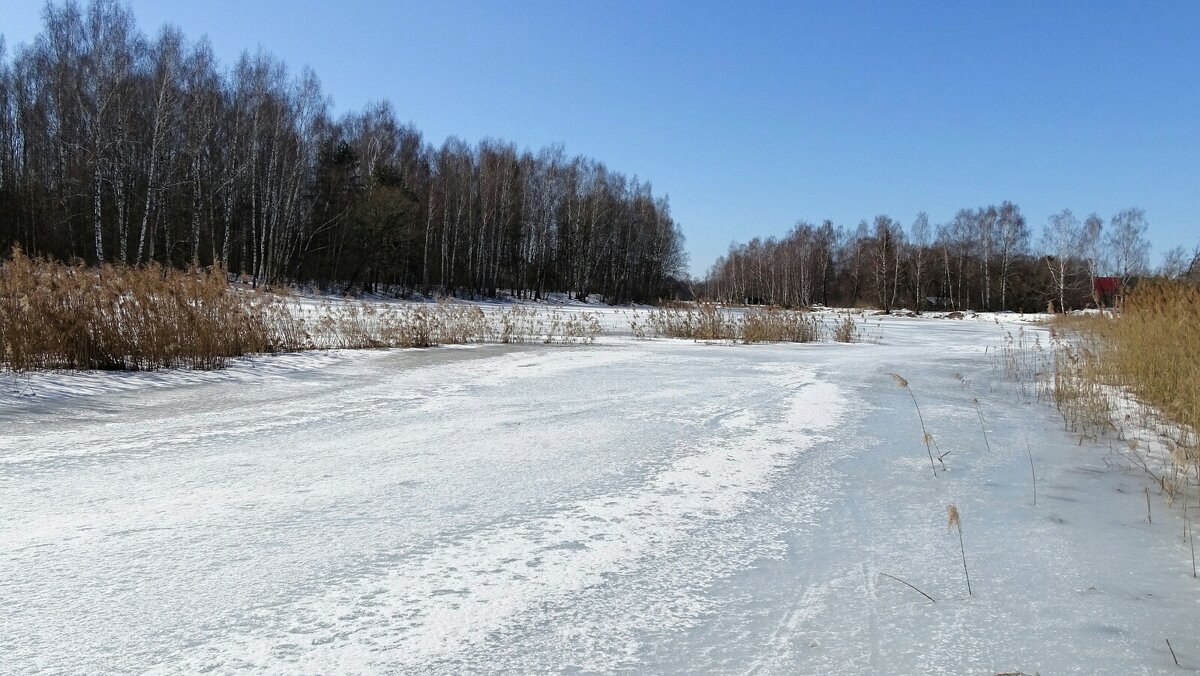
{"x": 640, "y": 506}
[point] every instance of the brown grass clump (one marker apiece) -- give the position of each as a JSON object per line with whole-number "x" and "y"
{"x": 846, "y": 330}
{"x": 518, "y": 325}
{"x": 779, "y": 326}
{"x": 368, "y": 325}
{"x": 56, "y": 316}
{"x": 1150, "y": 352}
{"x": 1153, "y": 348}
{"x": 1020, "y": 357}
{"x": 704, "y": 321}
{"x": 1078, "y": 388}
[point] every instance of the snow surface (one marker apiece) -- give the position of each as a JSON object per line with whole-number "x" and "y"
{"x": 639, "y": 506}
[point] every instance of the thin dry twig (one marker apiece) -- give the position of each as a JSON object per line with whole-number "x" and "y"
{"x": 1032, "y": 471}
{"x": 913, "y": 587}
{"x": 1192, "y": 542}
{"x": 982, "y": 424}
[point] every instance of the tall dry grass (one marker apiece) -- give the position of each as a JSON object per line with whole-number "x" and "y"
{"x": 55, "y": 316}
{"x": 1147, "y": 355}
{"x": 706, "y": 321}
{"x": 844, "y": 329}
{"x": 779, "y": 326}
{"x": 368, "y": 325}
{"x": 1153, "y": 349}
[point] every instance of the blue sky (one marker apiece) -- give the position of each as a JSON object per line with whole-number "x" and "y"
{"x": 751, "y": 116}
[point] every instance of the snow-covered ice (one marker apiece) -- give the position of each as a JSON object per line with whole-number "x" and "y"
{"x": 640, "y": 506}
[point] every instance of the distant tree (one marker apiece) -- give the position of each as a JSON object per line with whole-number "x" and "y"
{"x": 1013, "y": 242}
{"x": 114, "y": 147}
{"x": 1061, "y": 243}
{"x": 1091, "y": 245}
{"x": 1175, "y": 263}
{"x": 1127, "y": 243}
{"x": 986, "y": 222}
{"x": 918, "y": 254}
{"x": 854, "y": 255}
{"x": 382, "y": 225}
{"x": 956, "y": 245}
{"x": 824, "y": 241}
{"x": 884, "y": 254}
{"x": 979, "y": 250}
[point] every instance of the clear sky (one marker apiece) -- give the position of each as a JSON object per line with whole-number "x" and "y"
{"x": 753, "y": 115}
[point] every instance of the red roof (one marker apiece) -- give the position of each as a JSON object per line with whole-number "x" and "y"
{"x": 1106, "y": 285}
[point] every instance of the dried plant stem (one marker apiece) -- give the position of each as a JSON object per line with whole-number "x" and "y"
{"x": 903, "y": 384}
{"x": 1148, "y": 516}
{"x": 962, "y": 548}
{"x": 1192, "y": 542}
{"x": 911, "y": 586}
{"x": 1032, "y": 471}
{"x": 927, "y": 436}
{"x": 982, "y": 424}
{"x": 954, "y": 520}
{"x": 1172, "y": 652}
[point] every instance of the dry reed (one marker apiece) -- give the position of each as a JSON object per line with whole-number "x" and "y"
{"x": 704, "y": 321}
{"x": 846, "y": 330}
{"x": 56, "y": 316}
{"x": 953, "y": 520}
{"x": 708, "y": 322}
{"x": 1192, "y": 542}
{"x": 1032, "y": 471}
{"x": 982, "y": 424}
{"x": 367, "y": 325}
{"x": 1147, "y": 356}
{"x": 778, "y": 326}
{"x": 902, "y": 383}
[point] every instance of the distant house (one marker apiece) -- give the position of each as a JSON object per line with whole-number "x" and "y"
{"x": 1109, "y": 291}
{"x": 1106, "y": 290}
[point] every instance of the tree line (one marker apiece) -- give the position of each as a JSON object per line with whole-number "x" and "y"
{"x": 115, "y": 147}
{"x": 982, "y": 259}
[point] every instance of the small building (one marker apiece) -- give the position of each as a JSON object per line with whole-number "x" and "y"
{"x": 1110, "y": 291}
{"x": 1106, "y": 290}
